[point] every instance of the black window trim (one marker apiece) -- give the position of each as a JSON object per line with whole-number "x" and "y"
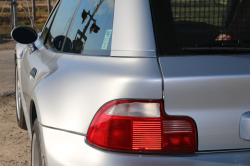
{"x": 46, "y": 38}
{"x": 70, "y": 25}
{"x": 51, "y": 13}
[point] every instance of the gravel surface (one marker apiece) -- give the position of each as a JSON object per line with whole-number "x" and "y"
{"x": 14, "y": 142}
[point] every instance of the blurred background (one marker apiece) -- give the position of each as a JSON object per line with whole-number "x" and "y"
{"x": 12, "y": 14}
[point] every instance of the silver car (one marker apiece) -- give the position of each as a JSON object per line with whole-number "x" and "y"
{"x": 137, "y": 82}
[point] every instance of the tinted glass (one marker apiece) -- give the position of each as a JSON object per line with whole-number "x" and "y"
{"x": 91, "y": 31}
{"x": 190, "y": 26}
{"x": 46, "y": 27}
{"x": 61, "y": 24}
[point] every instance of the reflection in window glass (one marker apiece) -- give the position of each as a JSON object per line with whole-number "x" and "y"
{"x": 91, "y": 31}
{"x": 61, "y": 24}
{"x": 195, "y": 26}
{"x": 46, "y": 28}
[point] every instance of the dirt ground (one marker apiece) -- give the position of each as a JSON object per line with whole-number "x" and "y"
{"x": 7, "y": 44}
{"x": 15, "y": 144}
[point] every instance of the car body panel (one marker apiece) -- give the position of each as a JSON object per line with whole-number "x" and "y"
{"x": 148, "y": 54}
{"x": 212, "y": 90}
{"x": 139, "y": 35}
{"x": 19, "y": 50}
{"x": 144, "y": 71}
{"x": 76, "y": 86}
{"x": 69, "y": 89}
{"x": 62, "y": 148}
{"x": 245, "y": 126}
{"x": 29, "y": 60}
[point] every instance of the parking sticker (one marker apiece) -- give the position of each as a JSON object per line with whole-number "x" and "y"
{"x": 106, "y": 39}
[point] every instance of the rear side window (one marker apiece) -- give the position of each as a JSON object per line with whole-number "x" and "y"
{"x": 61, "y": 24}
{"x": 185, "y": 27}
{"x": 92, "y": 27}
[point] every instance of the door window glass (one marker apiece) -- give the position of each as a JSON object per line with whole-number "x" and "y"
{"x": 46, "y": 27}
{"x": 91, "y": 29}
{"x": 61, "y": 24}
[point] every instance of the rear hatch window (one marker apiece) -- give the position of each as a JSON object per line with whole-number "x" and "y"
{"x": 184, "y": 27}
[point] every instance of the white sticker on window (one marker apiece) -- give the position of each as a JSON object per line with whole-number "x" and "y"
{"x": 104, "y": 46}
{"x": 106, "y": 39}
{"x": 108, "y": 33}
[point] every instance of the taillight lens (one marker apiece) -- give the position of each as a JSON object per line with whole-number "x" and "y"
{"x": 141, "y": 126}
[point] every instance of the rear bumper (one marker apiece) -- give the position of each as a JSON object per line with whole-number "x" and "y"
{"x": 63, "y": 148}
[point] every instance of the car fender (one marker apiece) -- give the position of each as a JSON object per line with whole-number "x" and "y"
{"x": 19, "y": 50}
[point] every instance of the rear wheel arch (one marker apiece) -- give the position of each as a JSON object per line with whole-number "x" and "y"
{"x": 33, "y": 113}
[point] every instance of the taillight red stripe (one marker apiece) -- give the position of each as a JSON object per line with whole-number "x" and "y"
{"x": 146, "y": 135}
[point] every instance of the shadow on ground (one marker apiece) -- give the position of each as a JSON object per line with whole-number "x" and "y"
{"x": 7, "y": 94}
{"x": 3, "y": 41}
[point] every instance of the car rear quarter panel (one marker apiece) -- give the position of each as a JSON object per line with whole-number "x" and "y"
{"x": 76, "y": 86}
{"x": 80, "y": 153}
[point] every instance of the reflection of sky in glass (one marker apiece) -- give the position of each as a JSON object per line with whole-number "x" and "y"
{"x": 104, "y": 20}
{"x": 63, "y": 17}
{"x": 46, "y": 28}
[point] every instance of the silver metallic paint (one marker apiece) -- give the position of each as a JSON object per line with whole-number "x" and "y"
{"x": 245, "y": 126}
{"x": 29, "y": 60}
{"x": 19, "y": 50}
{"x": 214, "y": 91}
{"x": 69, "y": 89}
{"x": 132, "y": 54}
{"x": 64, "y": 148}
{"x": 18, "y": 97}
{"x": 133, "y": 33}
{"x": 76, "y": 86}
{"x": 145, "y": 75}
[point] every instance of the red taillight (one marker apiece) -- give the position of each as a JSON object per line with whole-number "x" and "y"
{"x": 141, "y": 126}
